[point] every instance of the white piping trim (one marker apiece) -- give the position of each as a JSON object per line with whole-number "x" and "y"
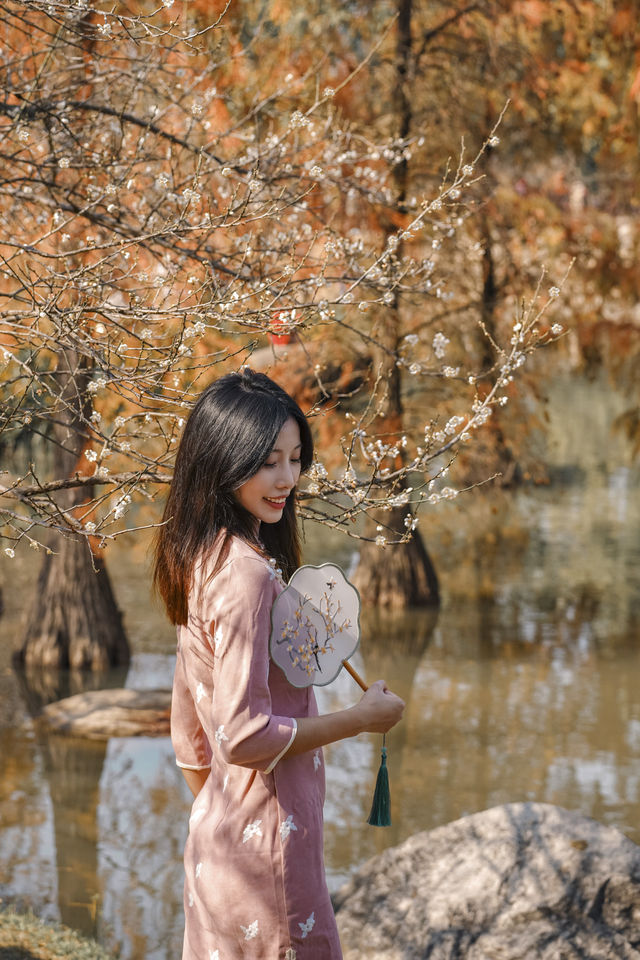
{"x": 190, "y": 766}
{"x": 294, "y": 730}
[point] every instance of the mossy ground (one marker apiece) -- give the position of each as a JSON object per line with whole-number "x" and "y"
{"x": 24, "y": 937}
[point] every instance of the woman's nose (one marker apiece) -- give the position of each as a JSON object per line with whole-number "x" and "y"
{"x": 288, "y": 477}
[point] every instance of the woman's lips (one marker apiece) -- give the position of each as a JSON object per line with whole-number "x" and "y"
{"x": 277, "y": 504}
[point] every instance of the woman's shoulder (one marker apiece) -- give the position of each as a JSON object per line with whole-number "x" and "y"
{"x": 242, "y": 556}
{"x": 237, "y": 561}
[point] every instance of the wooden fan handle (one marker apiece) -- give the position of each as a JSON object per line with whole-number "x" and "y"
{"x": 354, "y": 673}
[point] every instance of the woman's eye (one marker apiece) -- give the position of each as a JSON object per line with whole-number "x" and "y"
{"x": 275, "y": 463}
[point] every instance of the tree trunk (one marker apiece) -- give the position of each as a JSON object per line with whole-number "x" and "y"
{"x": 397, "y": 576}
{"x": 74, "y": 620}
{"x": 401, "y": 575}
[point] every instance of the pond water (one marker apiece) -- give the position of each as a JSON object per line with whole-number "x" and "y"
{"x": 524, "y": 686}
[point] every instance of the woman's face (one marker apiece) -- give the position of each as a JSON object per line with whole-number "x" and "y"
{"x": 265, "y": 493}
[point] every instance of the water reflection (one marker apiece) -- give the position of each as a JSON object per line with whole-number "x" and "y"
{"x": 70, "y": 769}
{"x": 142, "y": 821}
{"x": 525, "y": 686}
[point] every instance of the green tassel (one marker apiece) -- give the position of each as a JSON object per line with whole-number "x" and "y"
{"x": 380, "y": 815}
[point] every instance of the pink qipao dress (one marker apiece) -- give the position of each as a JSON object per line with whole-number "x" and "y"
{"x": 255, "y": 886}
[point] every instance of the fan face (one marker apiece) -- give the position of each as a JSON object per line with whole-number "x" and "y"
{"x": 315, "y": 625}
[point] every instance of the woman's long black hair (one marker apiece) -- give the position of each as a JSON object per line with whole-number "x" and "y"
{"x": 230, "y": 433}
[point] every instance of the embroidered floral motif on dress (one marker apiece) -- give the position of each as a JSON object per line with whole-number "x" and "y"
{"x": 307, "y": 927}
{"x": 251, "y": 931}
{"x": 316, "y": 760}
{"x": 217, "y": 638}
{"x": 274, "y": 570}
{"x": 199, "y": 692}
{"x": 252, "y": 830}
{"x": 286, "y": 827}
{"x": 198, "y": 869}
{"x": 220, "y": 735}
{"x": 214, "y": 955}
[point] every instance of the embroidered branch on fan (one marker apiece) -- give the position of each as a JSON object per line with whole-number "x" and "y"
{"x": 304, "y": 643}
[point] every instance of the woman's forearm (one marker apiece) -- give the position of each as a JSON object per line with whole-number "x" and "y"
{"x": 316, "y": 732}
{"x": 196, "y": 779}
{"x": 377, "y": 711}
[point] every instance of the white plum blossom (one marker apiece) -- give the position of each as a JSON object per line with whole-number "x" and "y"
{"x": 298, "y": 120}
{"x": 440, "y": 344}
{"x": 452, "y": 425}
{"x": 119, "y": 510}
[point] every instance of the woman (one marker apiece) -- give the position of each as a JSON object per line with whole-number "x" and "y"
{"x": 249, "y": 744}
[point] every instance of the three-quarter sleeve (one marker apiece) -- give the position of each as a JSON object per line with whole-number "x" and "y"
{"x": 189, "y": 740}
{"x": 245, "y": 731}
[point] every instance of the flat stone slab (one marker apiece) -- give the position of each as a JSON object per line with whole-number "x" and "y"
{"x": 100, "y": 714}
{"x": 524, "y": 881}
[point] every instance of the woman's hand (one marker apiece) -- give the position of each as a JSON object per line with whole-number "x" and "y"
{"x": 376, "y": 712}
{"x": 379, "y": 709}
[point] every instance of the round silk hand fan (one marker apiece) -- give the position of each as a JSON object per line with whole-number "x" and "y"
{"x": 315, "y": 628}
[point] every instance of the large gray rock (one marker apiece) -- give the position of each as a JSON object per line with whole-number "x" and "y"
{"x": 525, "y": 880}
